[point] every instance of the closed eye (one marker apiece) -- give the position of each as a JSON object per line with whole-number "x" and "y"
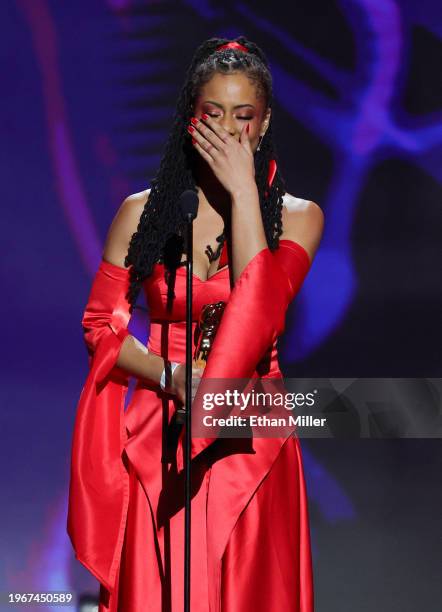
{"x": 243, "y": 118}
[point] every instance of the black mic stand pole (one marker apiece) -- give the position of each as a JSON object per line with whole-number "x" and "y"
{"x": 188, "y": 203}
{"x": 188, "y": 403}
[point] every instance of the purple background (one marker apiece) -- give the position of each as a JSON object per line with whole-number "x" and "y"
{"x": 88, "y": 94}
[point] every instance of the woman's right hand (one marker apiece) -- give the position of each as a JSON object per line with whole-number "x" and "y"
{"x": 178, "y": 383}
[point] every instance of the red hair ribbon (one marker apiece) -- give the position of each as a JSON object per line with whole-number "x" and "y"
{"x": 271, "y": 174}
{"x": 233, "y": 45}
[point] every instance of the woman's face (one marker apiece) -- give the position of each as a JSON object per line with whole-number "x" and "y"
{"x": 231, "y": 99}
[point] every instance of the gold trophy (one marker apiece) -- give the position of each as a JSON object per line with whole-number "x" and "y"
{"x": 208, "y": 323}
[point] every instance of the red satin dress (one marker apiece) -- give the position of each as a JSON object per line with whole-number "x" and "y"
{"x": 250, "y": 545}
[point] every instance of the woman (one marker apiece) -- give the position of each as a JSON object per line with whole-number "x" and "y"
{"x": 253, "y": 246}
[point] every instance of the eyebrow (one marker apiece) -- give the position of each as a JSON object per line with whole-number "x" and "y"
{"x": 222, "y": 107}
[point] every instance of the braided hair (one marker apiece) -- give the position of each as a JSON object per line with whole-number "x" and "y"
{"x": 161, "y": 219}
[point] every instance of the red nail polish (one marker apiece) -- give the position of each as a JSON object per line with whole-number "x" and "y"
{"x": 190, "y": 128}
{"x": 204, "y": 116}
{"x": 248, "y": 128}
{"x": 194, "y": 121}
{"x": 193, "y": 140}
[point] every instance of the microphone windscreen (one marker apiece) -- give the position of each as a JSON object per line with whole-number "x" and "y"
{"x": 188, "y": 203}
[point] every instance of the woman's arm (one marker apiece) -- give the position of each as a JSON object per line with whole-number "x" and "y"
{"x": 248, "y": 235}
{"x": 302, "y": 220}
{"x": 107, "y": 301}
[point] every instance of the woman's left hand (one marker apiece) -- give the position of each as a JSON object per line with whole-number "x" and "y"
{"x": 231, "y": 160}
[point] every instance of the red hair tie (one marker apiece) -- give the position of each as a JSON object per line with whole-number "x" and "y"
{"x": 233, "y": 45}
{"x": 270, "y": 175}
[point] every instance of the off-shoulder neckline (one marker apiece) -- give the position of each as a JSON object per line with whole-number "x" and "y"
{"x": 290, "y": 243}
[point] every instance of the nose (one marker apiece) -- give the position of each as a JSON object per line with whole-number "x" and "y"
{"x": 228, "y": 124}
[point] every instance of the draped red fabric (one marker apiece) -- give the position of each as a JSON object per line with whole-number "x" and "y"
{"x": 251, "y": 321}
{"x": 250, "y": 325}
{"x": 98, "y": 495}
{"x": 99, "y": 488}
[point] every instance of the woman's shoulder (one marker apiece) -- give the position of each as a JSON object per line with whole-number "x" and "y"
{"x": 135, "y": 202}
{"x": 129, "y": 212}
{"x": 123, "y": 226}
{"x": 302, "y": 222}
{"x": 295, "y": 206}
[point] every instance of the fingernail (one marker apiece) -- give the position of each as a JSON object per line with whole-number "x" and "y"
{"x": 193, "y": 140}
{"x": 204, "y": 116}
{"x": 247, "y": 128}
{"x": 190, "y": 129}
{"x": 194, "y": 121}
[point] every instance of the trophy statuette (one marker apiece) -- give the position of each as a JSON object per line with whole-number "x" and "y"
{"x": 208, "y": 323}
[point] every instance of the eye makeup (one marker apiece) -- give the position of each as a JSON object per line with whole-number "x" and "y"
{"x": 214, "y": 114}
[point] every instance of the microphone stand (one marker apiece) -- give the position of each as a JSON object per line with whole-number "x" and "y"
{"x": 188, "y": 203}
{"x": 188, "y": 403}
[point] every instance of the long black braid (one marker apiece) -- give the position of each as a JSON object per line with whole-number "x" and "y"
{"x": 161, "y": 220}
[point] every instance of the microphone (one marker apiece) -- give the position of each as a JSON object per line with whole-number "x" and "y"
{"x": 188, "y": 203}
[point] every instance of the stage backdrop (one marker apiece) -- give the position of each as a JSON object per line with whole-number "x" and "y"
{"x": 87, "y": 101}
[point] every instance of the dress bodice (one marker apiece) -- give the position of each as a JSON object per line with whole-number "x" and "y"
{"x": 163, "y": 307}
{"x": 167, "y": 309}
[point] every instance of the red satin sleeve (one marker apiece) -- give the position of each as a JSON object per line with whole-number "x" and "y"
{"x": 99, "y": 484}
{"x": 295, "y": 261}
{"x": 254, "y": 316}
{"x": 106, "y": 317}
